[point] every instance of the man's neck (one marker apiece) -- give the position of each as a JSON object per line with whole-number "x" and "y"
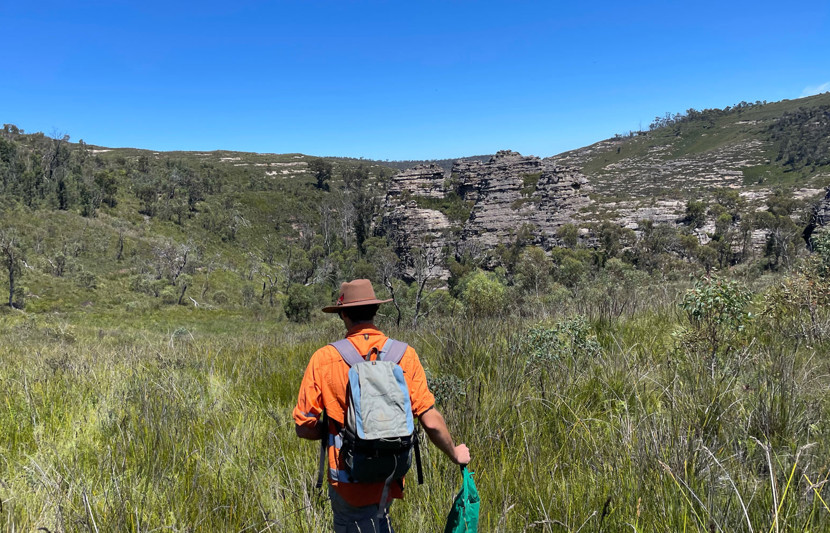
{"x": 354, "y": 326}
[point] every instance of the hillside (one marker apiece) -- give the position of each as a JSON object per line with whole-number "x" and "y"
{"x": 120, "y": 228}
{"x": 740, "y": 147}
{"x": 123, "y": 228}
{"x": 752, "y": 148}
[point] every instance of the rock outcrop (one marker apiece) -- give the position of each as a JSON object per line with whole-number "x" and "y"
{"x": 478, "y": 205}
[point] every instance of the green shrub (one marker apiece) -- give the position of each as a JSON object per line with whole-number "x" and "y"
{"x": 483, "y": 294}
{"x": 571, "y": 339}
{"x": 716, "y": 309}
{"x": 169, "y": 295}
{"x": 821, "y": 254}
{"x": 86, "y": 279}
{"x": 249, "y": 295}
{"x": 220, "y": 297}
{"x": 298, "y": 302}
{"x": 445, "y": 388}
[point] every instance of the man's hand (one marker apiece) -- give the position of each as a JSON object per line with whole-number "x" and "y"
{"x": 462, "y": 455}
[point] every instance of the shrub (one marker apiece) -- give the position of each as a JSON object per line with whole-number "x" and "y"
{"x": 715, "y": 308}
{"x": 483, "y": 294}
{"x": 169, "y": 295}
{"x": 695, "y": 213}
{"x": 220, "y": 297}
{"x": 820, "y": 262}
{"x": 297, "y": 305}
{"x": 568, "y": 340}
{"x": 86, "y": 279}
{"x": 445, "y": 388}
{"x": 249, "y": 295}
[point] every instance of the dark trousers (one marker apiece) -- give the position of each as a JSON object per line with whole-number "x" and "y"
{"x": 351, "y": 519}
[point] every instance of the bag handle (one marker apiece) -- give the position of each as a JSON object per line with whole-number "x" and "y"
{"x": 324, "y": 448}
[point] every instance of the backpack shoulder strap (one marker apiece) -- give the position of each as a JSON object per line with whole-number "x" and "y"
{"x": 348, "y": 352}
{"x": 393, "y": 351}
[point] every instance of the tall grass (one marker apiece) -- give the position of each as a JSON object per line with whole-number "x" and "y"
{"x": 183, "y": 423}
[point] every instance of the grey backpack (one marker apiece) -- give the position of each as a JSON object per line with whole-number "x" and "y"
{"x": 379, "y": 431}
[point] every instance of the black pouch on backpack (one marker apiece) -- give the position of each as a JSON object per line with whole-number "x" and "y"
{"x": 371, "y": 462}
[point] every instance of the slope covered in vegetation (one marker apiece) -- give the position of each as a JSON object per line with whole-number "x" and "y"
{"x": 747, "y": 145}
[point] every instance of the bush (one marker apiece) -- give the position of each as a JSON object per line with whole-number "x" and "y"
{"x": 220, "y": 297}
{"x": 716, "y": 310}
{"x": 297, "y": 305}
{"x": 249, "y": 295}
{"x": 549, "y": 346}
{"x": 483, "y": 294}
{"x": 820, "y": 262}
{"x": 169, "y": 295}
{"x": 86, "y": 279}
{"x": 716, "y": 304}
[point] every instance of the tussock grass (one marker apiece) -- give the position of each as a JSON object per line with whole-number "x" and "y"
{"x": 182, "y": 422}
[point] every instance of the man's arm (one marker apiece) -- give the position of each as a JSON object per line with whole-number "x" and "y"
{"x": 436, "y": 429}
{"x": 309, "y": 406}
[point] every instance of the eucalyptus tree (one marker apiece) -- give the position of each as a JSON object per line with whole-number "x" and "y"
{"x": 11, "y": 252}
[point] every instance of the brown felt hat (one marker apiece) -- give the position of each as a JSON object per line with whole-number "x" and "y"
{"x": 355, "y": 294}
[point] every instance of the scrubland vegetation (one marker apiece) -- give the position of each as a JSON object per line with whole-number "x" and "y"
{"x": 694, "y": 408}
{"x": 162, "y": 308}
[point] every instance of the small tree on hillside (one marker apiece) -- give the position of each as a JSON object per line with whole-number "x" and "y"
{"x": 426, "y": 265}
{"x": 298, "y": 303}
{"x": 695, "y": 215}
{"x": 387, "y": 266}
{"x": 12, "y": 259}
{"x": 322, "y": 171}
{"x": 716, "y": 309}
{"x": 364, "y": 203}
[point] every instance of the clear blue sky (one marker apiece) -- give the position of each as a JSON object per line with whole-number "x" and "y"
{"x": 394, "y": 79}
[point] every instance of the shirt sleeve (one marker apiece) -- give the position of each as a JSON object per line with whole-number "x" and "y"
{"x": 310, "y": 399}
{"x": 419, "y": 393}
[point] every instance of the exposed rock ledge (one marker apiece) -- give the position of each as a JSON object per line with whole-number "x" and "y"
{"x": 478, "y": 205}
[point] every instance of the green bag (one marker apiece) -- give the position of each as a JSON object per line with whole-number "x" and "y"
{"x": 463, "y": 517}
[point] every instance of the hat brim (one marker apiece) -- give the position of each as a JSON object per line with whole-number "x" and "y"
{"x": 361, "y": 303}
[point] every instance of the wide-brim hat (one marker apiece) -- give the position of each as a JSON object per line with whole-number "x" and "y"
{"x": 355, "y": 294}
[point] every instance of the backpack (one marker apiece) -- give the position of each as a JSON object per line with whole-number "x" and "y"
{"x": 379, "y": 431}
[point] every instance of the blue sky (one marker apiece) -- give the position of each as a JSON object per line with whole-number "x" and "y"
{"x": 394, "y": 79}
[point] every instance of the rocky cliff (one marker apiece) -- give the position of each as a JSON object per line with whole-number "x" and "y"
{"x": 478, "y": 205}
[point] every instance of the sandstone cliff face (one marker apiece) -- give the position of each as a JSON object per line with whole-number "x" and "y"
{"x": 478, "y": 204}
{"x": 512, "y": 192}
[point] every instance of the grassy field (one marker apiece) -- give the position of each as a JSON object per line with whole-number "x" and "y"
{"x": 180, "y": 419}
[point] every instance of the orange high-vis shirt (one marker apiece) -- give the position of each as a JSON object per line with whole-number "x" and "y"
{"x": 324, "y": 387}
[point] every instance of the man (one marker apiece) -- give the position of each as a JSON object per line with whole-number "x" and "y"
{"x": 356, "y": 505}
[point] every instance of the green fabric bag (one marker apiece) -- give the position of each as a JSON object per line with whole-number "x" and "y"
{"x": 463, "y": 517}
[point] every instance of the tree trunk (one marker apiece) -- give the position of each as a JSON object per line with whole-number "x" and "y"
{"x": 181, "y": 295}
{"x": 11, "y": 285}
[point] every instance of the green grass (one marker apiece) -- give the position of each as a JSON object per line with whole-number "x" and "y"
{"x": 180, "y": 418}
